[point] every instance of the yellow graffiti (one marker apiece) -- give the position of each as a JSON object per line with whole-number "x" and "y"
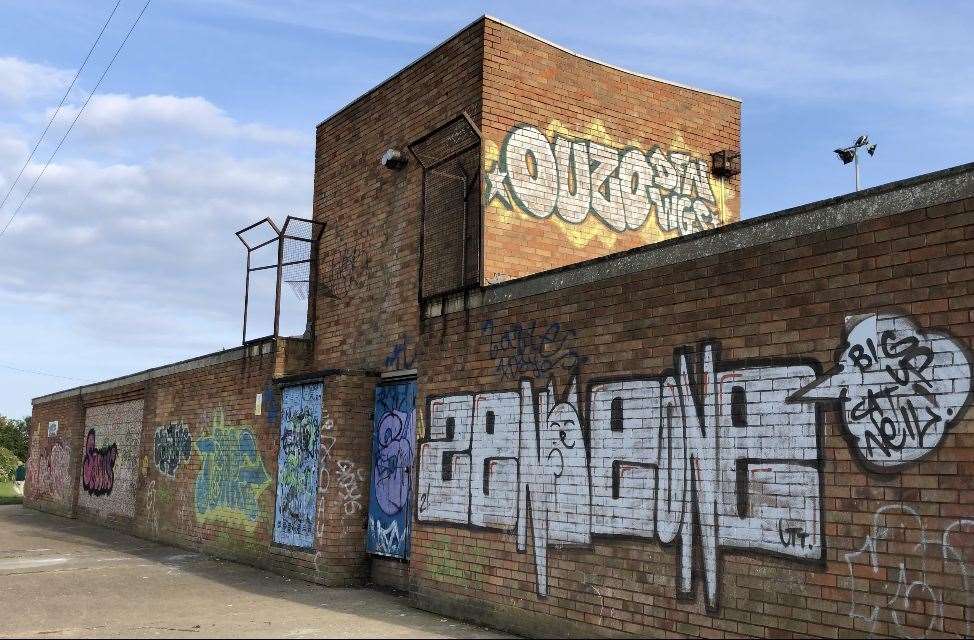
{"x": 592, "y": 232}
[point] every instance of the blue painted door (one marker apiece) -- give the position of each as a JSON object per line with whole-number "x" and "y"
{"x": 393, "y": 446}
{"x": 297, "y": 466}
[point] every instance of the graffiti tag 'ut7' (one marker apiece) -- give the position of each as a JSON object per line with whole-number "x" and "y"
{"x": 728, "y": 450}
{"x": 652, "y": 469}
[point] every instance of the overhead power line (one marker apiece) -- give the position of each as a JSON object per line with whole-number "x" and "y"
{"x": 40, "y": 373}
{"x": 60, "y": 104}
{"x": 75, "y": 121}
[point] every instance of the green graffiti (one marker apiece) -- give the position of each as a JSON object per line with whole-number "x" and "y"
{"x": 232, "y": 476}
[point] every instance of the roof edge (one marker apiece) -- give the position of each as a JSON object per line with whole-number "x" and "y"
{"x": 410, "y": 65}
{"x": 525, "y": 32}
{"x": 917, "y": 192}
{"x": 606, "y": 64}
{"x": 189, "y": 364}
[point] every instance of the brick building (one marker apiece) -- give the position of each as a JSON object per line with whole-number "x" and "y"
{"x": 552, "y": 383}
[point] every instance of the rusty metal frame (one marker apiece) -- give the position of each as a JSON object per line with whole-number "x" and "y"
{"x": 280, "y": 234}
{"x": 469, "y": 182}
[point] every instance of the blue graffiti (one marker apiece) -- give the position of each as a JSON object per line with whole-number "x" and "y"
{"x": 172, "y": 446}
{"x": 297, "y": 466}
{"x": 268, "y": 401}
{"x": 394, "y": 432}
{"x": 232, "y": 476}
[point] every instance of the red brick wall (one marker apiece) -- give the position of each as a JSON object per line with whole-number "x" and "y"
{"x": 816, "y": 533}
{"x": 369, "y": 255}
{"x": 200, "y": 499}
{"x": 538, "y": 99}
{"x": 54, "y": 457}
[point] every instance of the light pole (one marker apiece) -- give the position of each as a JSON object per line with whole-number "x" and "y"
{"x": 851, "y": 154}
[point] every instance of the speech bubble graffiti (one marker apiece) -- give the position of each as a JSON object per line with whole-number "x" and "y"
{"x": 901, "y": 388}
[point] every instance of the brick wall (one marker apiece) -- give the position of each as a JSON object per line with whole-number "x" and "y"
{"x": 547, "y": 113}
{"x": 54, "y": 458}
{"x": 369, "y": 254}
{"x": 185, "y": 459}
{"x": 631, "y": 454}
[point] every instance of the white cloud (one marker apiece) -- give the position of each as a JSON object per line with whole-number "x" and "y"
{"x": 117, "y": 115}
{"x": 21, "y": 81}
{"x": 127, "y": 242}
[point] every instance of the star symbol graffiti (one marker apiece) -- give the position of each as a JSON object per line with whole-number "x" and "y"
{"x": 496, "y": 187}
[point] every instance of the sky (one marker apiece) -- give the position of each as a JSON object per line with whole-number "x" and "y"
{"x": 124, "y": 257}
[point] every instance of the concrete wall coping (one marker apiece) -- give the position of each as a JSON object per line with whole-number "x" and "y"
{"x": 484, "y": 17}
{"x": 191, "y": 364}
{"x": 926, "y": 190}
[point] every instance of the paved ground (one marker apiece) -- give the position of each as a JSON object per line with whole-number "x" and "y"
{"x": 63, "y": 578}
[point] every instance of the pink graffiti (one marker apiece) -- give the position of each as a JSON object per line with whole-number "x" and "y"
{"x": 98, "y": 471}
{"x": 47, "y": 477}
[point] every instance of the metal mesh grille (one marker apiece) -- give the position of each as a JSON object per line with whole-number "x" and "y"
{"x": 450, "y": 157}
{"x": 443, "y": 230}
{"x": 447, "y": 142}
{"x": 296, "y": 256}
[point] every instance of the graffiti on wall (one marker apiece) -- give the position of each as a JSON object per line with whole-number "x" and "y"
{"x": 268, "y": 401}
{"x": 577, "y": 177}
{"x": 48, "y": 471}
{"x": 110, "y": 458}
{"x": 98, "y": 466}
{"x": 232, "y": 476}
{"x": 713, "y": 456}
{"x": 532, "y": 350}
{"x": 890, "y": 590}
{"x": 349, "y": 478}
{"x": 297, "y": 466}
{"x": 394, "y": 431}
{"x": 172, "y": 445}
{"x": 900, "y": 388}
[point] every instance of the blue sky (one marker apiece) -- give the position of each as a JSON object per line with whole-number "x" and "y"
{"x": 124, "y": 257}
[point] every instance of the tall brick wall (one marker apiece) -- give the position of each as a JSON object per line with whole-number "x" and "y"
{"x": 369, "y": 254}
{"x": 582, "y": 160}
{"x": 633, "y": 454}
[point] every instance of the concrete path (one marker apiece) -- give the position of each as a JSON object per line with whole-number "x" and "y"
{"x": 62, "y": 578}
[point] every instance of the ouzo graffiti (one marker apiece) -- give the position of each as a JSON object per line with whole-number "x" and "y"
{"x": 232, "y": 476}
{"x": 574, "y": 178}
{"x": 297, "y": 466}
{"x": 729, "y": 450}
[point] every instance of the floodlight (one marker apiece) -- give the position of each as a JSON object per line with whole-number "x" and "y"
{"x": 851, "y": 154}
{"x": 846, "y": 155}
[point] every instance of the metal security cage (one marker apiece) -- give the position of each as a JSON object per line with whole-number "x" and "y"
{"x": 296, "y": 263}
{"x": 450, "y": 238}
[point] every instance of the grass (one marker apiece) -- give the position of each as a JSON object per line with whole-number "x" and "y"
{"x": 7, "y": 493}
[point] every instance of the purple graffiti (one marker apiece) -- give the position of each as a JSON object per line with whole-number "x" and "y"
{"x": 98, "y": 467}
{"x": 393, "y": 459}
